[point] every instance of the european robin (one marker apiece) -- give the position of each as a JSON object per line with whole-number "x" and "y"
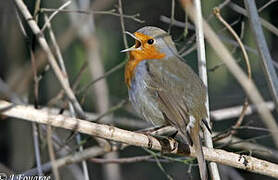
{"x": 165, "y": 90}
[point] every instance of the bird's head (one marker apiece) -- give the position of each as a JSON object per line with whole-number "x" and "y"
{"x": 151, "y": 43}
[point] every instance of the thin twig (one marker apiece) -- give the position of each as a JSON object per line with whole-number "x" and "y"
{"x": 177, "y": 23}
{"x": 31, "y": 47}
{"x": 254, "y": 128}
{"x": 52, "y": 153}
{"x": 249, "y": 74}
{"x": 109, "y": 12}
{"x": 70, "y": 159}
{"x": 154, "y": 155}
{"x": 122, "y": 160}
{"x": 172, "y": 16}
{"x": 85, "y": 89}
{"x": 233, "y": 112}
{"x": 6, "y": 91}
{"x": 265, "y": 5}
{"x": 188, "y": 51}
{"x": 259, "y": 150}
{"x": 109, "y": 111}
{"x": 146, "y": 158}
{"x": 37, "y": 148}
{"x": 120, "y": 8}
{"x": 53, "y": 15}
{"x": 75, "y": 83}
{"x": 223, "y": 4}
{"x": 265, "y": 23}
{"x": 220, "y": 6}
{"x": 232, "y": 42}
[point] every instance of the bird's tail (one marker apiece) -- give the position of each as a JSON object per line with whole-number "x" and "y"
{"x": 194, "y": 134}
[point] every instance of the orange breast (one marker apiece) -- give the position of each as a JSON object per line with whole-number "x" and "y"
{"x": 146, "y": 52}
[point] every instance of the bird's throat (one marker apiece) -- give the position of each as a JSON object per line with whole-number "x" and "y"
{"x": 135, "y": 58}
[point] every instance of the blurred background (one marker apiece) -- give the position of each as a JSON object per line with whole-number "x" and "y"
{"x": 90, "y": 41}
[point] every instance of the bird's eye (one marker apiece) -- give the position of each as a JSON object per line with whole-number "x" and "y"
{"x": 150, "y": 41}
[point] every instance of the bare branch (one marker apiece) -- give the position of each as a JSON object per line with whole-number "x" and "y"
{"x": 245, "y": 56}
{"x": 70, "y": 159}
{"x": 53, "y": 15}
{"x": 266, "y": 4}
{"x": 122, "y": 22}
{"x": 232, "y": 112}
{"x": 109, "y": 12}
{"x": 172, "y": 15}
{"x": 115, "y": 134}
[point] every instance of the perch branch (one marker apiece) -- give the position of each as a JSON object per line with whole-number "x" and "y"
{"x": 116, "y": 134}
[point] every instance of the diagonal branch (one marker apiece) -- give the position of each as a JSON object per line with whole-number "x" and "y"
{"x": 264, "y": 53}
{"x": 264, "y": 22}
{"x": 63, "y": 79}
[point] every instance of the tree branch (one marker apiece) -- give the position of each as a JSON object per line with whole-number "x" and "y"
{"x": 115, "y": 134}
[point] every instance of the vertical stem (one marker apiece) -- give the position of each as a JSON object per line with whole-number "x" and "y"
{"x": 203, "y": 75}
{"x": 36, "y": 92}
{"x": 37, "y": 149}
{"x": 52, "y": 153}
{"x": 172, "y": 16}
{"x": 122, "y": 22}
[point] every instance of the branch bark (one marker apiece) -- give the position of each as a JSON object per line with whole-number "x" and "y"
{"x": 116, "y": 134}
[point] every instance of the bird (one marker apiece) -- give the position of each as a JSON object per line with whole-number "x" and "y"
{"x": 163, "y": 89}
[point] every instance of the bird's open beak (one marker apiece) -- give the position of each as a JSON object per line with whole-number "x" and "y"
{"x": 128, "y": 49}
{"x": 137, "y": 44}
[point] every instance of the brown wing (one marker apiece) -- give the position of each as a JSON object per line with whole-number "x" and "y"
{"x": 179, "y": 89}
{"x": 181, "y": 99}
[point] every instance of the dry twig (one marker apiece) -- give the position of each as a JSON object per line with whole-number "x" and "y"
{"x": 109, "y": 12}
{"x": 245, "y": 104}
